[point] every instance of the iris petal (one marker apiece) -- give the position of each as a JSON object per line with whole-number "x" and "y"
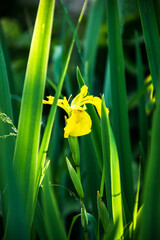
{"x": 96, "y": 101}
{"x": 49, "y": 101}
{"x": 78, "y": 124}
{"x": 79, "y": 98}
{"x": 63, "y": 103}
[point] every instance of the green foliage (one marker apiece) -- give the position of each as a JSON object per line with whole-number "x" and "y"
{"x": 119, "y": 107}
{"x": 75, "y": 179}
{"x": 152, "y": 191}
{"x": 53, "y": 223}
{"x": 92, "y": 186}
{"x": 151, "y": 36}
{"x": 27, "y": 142}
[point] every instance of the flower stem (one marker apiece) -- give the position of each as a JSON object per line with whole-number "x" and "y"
{"x": 78, "y": 171}
{"x": 102, "y": 183}
{"x": 86, "y": 234}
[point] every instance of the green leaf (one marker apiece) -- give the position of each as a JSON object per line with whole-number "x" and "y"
{"x": 84, "y": 218}
{"x": 106, "y": 155}
{"x": 113, "y": 181}
{"x": 90, "y": 168}
{"x": 91, "y": 39}
{"x": 74, "y": 146}
{"x": 116, "y": 186}
{"x": 141, "y": 112}
{"x": 93, "y": 222}
{"x": 27, "y": 144}
{"x": 79, "y": 78}
{"x": 151, "y": 37}
{"x": 141, "y": 91}
{"x": 72, "y": 224}
{"x": 39, "y": 222}
{"x": 107, "y": 84}
{"x": 103, "y": 214}
{"x": 136, "y": 201}
{"x": 48, "y": 129}
{"x": 13, "y": 212}
{"x": 119, "y": 99}
{"x": 52, "y": 218}
{"x": 151, "y": 210}
{"x": 11, "y": 79}
{"x": 96, "y": 130}
{"x": 96, "y": 133}
{"x": 133, "y": 225}
{"x": 138, "y": 222}
{"x": 77, "y": 41}
{"x": 75, "y": 179}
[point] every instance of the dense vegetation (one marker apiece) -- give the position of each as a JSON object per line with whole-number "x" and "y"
{"x": 79, "y": 120}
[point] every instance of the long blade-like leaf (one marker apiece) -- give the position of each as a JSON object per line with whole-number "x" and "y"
{"x": 13, "y": 212}
{"x": 116, "y": 187}
{"x": 106, "y": 156}
{"x": 119, "y": 99}
{"x": 97, "y": 9}
{"x": 50, "y": 122}
{"x": 114, "y": 173}
{"x": 151, "y": 37}
{"x": 26, "y": 151}
{"x": 52, "y": 219}
{"x": 96, "y": 131}
{"x": 11, "y": 79}
{"x": 151, "y": 208}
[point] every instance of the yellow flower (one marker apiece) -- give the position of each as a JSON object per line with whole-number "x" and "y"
{"x": 150, "y": 88}
{"x": 78, "y": 122}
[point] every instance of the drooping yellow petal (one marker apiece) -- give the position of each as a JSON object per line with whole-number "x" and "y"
{"x": 78, "y": 124}
{"x": 96, "y": 101}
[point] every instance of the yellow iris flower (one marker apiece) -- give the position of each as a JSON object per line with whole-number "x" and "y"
{"x": 150, "y": 88}
{"x": 78, "y": 122}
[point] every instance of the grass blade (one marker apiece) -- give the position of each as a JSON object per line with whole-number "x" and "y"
{"x": 139, "y": 94}
{"x": 106, "y": 156}
{"x": 93, "y": 222}
{"x": 151, "y": 208}
{"x": 75, "y": 179}
{"x": 135, "y": 212}
{"x": 13, "y": 211}
{"x": 107, "y": 85}
{"x": 52, "y": 219}
{"x": 96, "y": 130}
{"x": 72, "y": 224}
{"x": 142, "y": 112}
{"x": 97, "y": 9}
{"x": 90, "y": 163}
{"x": 115, "y": 181}
{"x": 39, "y": 222}
{"x": 77, "y": 41}
{"x": 26, "y": 151}
{"x": 10, "y": 75}
{"x": 119, "y": 107}
{"x": 50, "y": 122}
{"x": 103, "y": 214}
{"x": 132, "y": 228}
{"x": 116, "y": 187}
{"x": 151, "y": 37}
